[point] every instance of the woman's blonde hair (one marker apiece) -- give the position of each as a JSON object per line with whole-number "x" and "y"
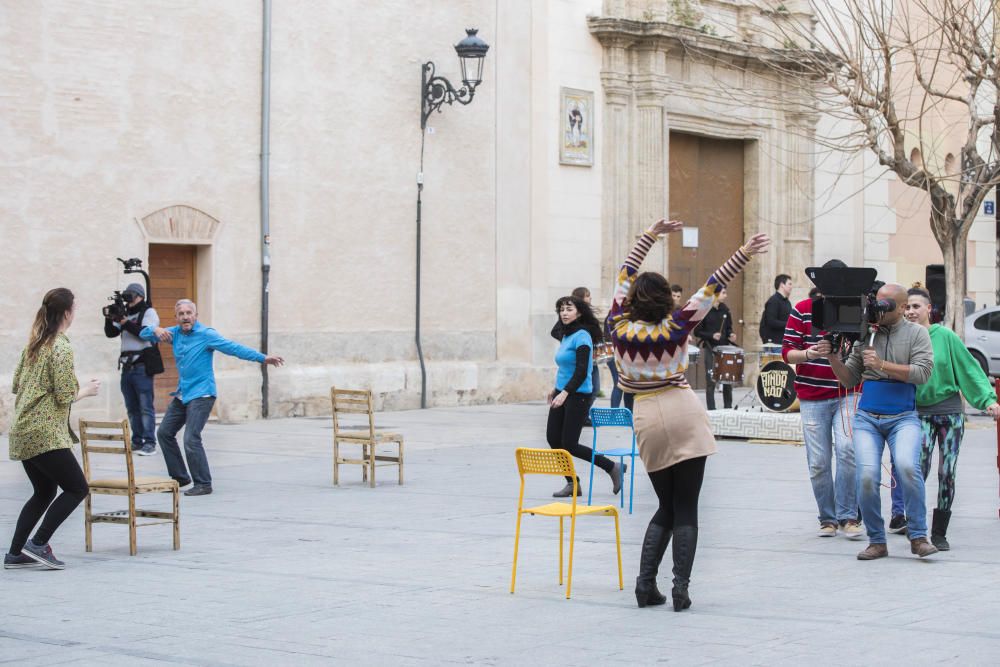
{"x": 48, "y": 319}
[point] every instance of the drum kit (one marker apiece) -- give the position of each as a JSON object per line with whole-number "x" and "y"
{"x": 775, "y": 382}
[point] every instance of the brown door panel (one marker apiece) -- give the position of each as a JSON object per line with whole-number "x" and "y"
{"x": 172, "y": 277}
{"x": 706, "y": 191}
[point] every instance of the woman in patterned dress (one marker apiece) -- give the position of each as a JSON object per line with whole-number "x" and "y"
{"x": 650, "y": 335}
{"x": 40, "y": 438}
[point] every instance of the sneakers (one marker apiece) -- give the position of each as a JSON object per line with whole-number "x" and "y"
{"x": 874, "y": 551}
{"x": 921, "y": 547}
{"x": 199, "y": 490}
{"x": 43, "y": 554}
{"x": 182, "y": 482}
{"x": 852, "y": 530}
{"x": 897, "y": 524}
{"x": 146, "y": 450}
{"x": 12, "y": 562}
{"x": 827, "y": 530}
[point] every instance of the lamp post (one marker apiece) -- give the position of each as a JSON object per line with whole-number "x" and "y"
{"x": 435, "y": 91}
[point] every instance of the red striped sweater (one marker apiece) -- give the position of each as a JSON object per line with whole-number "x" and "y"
{"x": 654, "y": 355}
{"x": 814, "y": 379}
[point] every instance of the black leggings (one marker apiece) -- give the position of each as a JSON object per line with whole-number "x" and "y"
{"x": 677, "y": 488}
{"x": 46, "y": 472}
{"x": 564, "y": 428}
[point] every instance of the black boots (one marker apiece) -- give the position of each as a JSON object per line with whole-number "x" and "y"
{"x": 567, "y": 490}
{"x": 939, "y": 527}
{"x": 617, "y": 475}
{"x": 685, "y": 543}
{"x": 653, "y": 547}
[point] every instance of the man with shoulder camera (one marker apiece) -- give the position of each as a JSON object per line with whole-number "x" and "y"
{"x": 139, "y": 361}
{"x": 892, "y": 363}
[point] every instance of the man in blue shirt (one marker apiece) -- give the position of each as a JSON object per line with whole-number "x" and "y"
{"x": 194, "y": 345}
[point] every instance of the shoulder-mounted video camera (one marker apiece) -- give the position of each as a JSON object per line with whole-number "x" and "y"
{"x": 121, "y": 299}
{"x": 848, "y": 303}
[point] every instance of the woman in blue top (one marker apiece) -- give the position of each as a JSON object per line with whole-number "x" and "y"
{"x": 577, "y": 332}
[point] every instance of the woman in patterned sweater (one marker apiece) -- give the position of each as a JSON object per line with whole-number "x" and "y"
{"x": 650, "y": 337}
{"x": 40, "y": 438}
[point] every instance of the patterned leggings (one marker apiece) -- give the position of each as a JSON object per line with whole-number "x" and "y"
{"x": 947, "y": 430}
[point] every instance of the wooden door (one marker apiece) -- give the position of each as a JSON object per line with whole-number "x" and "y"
{"x": 172, "y": 277}
{"x": 706, "y": 192}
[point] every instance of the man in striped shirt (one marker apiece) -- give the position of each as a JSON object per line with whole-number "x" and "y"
{"x": 825, "y": 422}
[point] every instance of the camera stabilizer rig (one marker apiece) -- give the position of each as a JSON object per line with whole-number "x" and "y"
{"x": 848, "y": 305}
{"x": 119, "y": 302}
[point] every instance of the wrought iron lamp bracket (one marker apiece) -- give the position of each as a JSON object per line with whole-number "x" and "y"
{"x": 437, "y": 90}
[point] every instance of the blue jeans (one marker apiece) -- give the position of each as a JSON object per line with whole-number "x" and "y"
{"x": 137, "y": 389}
{"x": 903, "y": 434}
{"x": 192, "y": 417}
{"x": 898, "y": 509}
{"x": 824, "y": 431}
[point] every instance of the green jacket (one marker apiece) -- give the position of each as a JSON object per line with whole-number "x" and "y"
{"x": 45, "y": 388}
{"x": 955, "y": 370}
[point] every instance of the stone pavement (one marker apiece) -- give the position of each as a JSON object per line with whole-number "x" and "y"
{"x": 278, "y": 567}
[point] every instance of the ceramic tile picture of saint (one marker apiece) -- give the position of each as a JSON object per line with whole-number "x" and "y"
{"x": 576, "y": 140}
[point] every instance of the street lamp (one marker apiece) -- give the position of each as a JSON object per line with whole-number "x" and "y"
{"x": 437, "y": 90}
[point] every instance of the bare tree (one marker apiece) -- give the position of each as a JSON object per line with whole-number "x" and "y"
{"x": 889, "y": 66}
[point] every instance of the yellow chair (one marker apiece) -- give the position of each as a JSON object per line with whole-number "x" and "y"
{"x": 559, "y": 463}
{"x": 359, "y": 402}
{"x": 130, "y": 485}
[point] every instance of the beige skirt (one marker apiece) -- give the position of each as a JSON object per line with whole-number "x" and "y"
{"x": 672, "y": 426}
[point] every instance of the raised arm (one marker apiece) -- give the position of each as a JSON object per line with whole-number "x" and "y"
{"x": 217, "y": 342}
{"x": 686, "y": 318}
{"x": 630, "y": 269}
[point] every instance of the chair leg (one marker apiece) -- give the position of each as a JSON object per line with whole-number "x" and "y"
{"x": 618, "y": 545}
{"x": 336, "y": 462}
{"x": 177, "y": 519}
{"x": 621, "y": 482}
{"x": 517, "y": 537}
{"x": 131, "y": 525}
{"x": 631, "y": 485}
{"x": 572, "y": 540}
{"x": 400, "y": 463}
{"x": 560, "y": 550}
{"x": 590, "y": 485}
{"x": 88, "y": 525}
{"x": 371, "y": 463}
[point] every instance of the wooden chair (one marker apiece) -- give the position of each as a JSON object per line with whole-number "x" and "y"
{"x": 352, "y": 401}
{"x": 558, "y": 462}
{"x": 130, "y": 485}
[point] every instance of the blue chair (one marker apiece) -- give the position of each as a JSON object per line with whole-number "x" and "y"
{"x": 615, "y": 417}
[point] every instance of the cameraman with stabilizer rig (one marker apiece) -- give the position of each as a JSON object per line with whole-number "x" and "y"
{"x": 892, "y": 360}
{"x": 138, "y": 362}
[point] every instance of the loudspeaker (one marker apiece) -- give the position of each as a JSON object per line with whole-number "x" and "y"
{"x": 934, "y": 280}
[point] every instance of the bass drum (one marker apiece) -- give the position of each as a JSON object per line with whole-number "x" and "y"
{"x": 776, "y": 387}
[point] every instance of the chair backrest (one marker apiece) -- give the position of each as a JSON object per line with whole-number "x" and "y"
{"x": 544, "y": 462}
{"x": 611, "y": 417}
{"x": 113, "y": 438}
{"x": 353, "y": 402}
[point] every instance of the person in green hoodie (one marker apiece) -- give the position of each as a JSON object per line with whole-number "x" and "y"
{"x": 940, "y": 407}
